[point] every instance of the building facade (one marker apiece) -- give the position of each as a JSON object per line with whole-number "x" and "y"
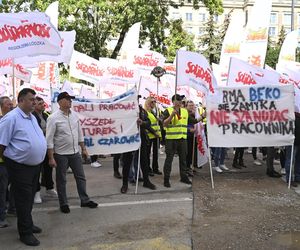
{"x": 194, "y": 20}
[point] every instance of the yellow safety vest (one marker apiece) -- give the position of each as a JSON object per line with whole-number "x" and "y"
{"x": 154, "y": 125}
{"x": 177, "y": 129}
{"x": 201, "y": 112}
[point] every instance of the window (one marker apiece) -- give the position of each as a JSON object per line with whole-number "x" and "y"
{"x": 202, "y": 17}
{"x": 201, "y": 31}
{"x": 175, "y": 15}
{"x": 273, "y": 18}
{"x": 272, "y": 31}
{"x": 287, "y": 19}
{"x": 189, "y": 29}
{"x": 188, "y": 16}
{"x": 216, "y": 18}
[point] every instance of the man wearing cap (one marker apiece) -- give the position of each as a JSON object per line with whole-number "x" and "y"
{"x": 64, "y": 136}
{"x": 23, "y": 146}
{"x": 175, "y": 122}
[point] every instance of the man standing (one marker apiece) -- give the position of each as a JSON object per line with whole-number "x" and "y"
{"x": 23, "y": 146}
{"x": 175, "y": 122}
{"x": 63, "y": 136}
{"x": 6, "y": 105}
{"x": 47, "y": 181}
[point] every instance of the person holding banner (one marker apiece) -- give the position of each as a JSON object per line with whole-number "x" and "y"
{"x": 145, "y": 124}
{"x": 23, "y": 148}
{"x": 64, "y": 135}
{"x": 175, "y": 122}
{"x": 153, "y": 139}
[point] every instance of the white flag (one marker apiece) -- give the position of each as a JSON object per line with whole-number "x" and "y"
{"x": 288, "y": 48}
{"x": 202, "y": 150}
{"x": 242, "y": 73}
{"x": 30, "y": 33}
{"x": 194, "y": 70}
{"x": 20, "y": 72}
{"x": 52, "y": 12}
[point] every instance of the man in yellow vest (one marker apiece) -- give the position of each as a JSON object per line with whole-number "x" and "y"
{"x": 175, "y": 122}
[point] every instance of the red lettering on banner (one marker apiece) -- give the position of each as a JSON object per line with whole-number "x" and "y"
{"x": 96, "y": 122}
{"x": 99, "y": 131}
{"x": 121, "y": 72}
{"x": 21, "y": 69}
{"x": 52, "y": 73}
{"x": 83, "y": 107}
{"x": 199, "y": 72}
{"x": 255, "y": 60}
{"x": 42, "y": 71}
{"x": 162, "y": 99}
{"x": 147, "y": 60}
{"x": 109, "y": 93}
{"x": 38, "y": 88}
{"x": 245, "y": 78}
{"x": 14, "y": 33}
{"x": 219, "y": 117}
{"x": 170, "y": 68}
{"x": 9, "y": 62}
{"x": 261, "y": 116}
{"x": 92, "y": 69}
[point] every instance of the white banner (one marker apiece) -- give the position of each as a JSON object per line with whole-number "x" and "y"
{"x": 47, "y": 74}
{"x": 6, "y": 67}
{"x": 86, "y": 68}
{"x": 242, "y": 73}
{"x": 288, "y": 48}
{"x": 195, "y": 71}
{"x": 145, "y": 60}
{"x": 110, "y": 126}
{"x": 30, "y": 33}
{"x": 232, "y": 41}
{"x": 252, "y": 116}
{"x": 67, "y": 47}
{"x": 52, "y": 12}
{"x": 254, "y": 47}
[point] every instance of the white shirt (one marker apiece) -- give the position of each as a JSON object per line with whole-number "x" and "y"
{"x": 63, "y": 133}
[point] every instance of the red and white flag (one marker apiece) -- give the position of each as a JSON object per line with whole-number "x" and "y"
{"x": 27, "y": 33}
{"x": 202, "y": 150}
{"x": 20, "y": 72}
{"x": 242, "y": 73}
{"x": 194, "y": 70}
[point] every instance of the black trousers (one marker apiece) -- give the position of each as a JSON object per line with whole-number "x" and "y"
{"x": 47, "y": 179}
{"x": 153, "y": 143}
{"x": 238, "y": 156}
{"x": 127, "y": 160}
{"x": 116, "y": 161}
{"x": 24, "y": 181}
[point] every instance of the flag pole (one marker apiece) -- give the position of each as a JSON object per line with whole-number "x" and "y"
{"x": 210, "y": 169}
{"x": 13, "y": 82}
{"x": 291, "y": 166}
{"x": 139, "y": 167}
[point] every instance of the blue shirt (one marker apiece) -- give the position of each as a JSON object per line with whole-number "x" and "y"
{"x": 23, "y": 138}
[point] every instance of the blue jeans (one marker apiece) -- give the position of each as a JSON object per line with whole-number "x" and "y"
{"x": 219, "y": 156}
{"x": 3, "y": 189}
{"x": 296, "y": 162}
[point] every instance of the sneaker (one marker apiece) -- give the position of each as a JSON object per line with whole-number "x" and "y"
{"x": 89, "y": 204}
{"x": 217, "y": 169}
{"x": 37, "y": 198}
{"x": 51, "y": 192}
{"x": 3, "y": 223}
{"x": 257, "y": 163}
{"x": 223, "y": 167}
{"x": 249, "y": 151}
{"x": 282, "y": 171}
{"x": 95, "y": 164}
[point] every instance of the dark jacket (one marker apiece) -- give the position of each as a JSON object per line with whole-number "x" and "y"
{"x": 146, "y": 125}
{"x": 44, "y": 114}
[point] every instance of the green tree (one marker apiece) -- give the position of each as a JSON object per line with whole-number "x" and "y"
{"x": 273, "y": 49}
{"x": 177, "y": 39}
{"x": 97, "y": 22}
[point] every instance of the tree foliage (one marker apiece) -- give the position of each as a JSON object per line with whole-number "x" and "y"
{"x": 212, "y": 38}
{"x": 177, "y": 39}
{"x": 97, "y": 22}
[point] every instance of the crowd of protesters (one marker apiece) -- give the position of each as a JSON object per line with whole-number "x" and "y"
{"x": 33, "y": 142}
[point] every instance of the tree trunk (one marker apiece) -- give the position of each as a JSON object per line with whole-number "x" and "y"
{"x": 119, "y": 44}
